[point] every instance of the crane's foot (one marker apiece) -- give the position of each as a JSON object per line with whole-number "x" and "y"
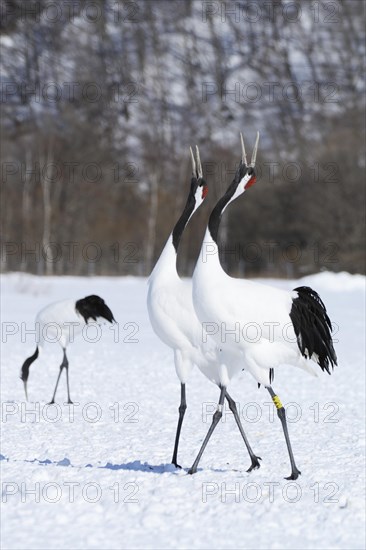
{"x": 192, "y": 471}
{"x": 70, "y": 402}
{"x": 255, "y": 463}
{"x": 177, "y": 465}
{"x": 294, "y": 474}
{"x": 51, "y": 402}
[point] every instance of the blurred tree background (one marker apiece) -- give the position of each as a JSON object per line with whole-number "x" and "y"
{"x": 101, "y": 99}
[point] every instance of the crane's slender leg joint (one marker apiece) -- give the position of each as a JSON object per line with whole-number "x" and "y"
{"x": 215, "y": 420}
{"x": 255, "y": 459}
{"x": 282, "y": 416}
{"x": 64, "y": 364}
{"x": 182, "y": 409}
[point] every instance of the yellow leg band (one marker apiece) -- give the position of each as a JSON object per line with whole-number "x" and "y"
{"x": 277, "y": 401}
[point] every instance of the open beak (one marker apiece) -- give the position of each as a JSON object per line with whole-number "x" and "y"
{"x": 254, "y": 154}
{"x": 199, "y": 165}
{"x": 196, "y": 168}
{"x": 252, "y": 160}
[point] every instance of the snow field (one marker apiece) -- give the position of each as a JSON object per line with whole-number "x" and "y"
{"x": 98, "y": 475}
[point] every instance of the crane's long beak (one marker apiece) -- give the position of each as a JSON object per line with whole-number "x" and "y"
{"x": 243, "y": 153}
{"x": 254, "y": 154}
{"x": 196, "y": 168}
{"x": 199, "y": 165}
{"x": 193, "y": 162}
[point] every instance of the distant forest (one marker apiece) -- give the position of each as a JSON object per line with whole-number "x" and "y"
{"x": 100, "y": 101}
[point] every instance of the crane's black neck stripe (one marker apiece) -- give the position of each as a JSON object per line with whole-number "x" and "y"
{"x": 24, "y": 373}
{"x": 186, "y": 214}
{"x": 215, "y": 217}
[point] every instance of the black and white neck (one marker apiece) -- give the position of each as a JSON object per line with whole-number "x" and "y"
{"x": 189, "y": 209}
{"x": 243, "y": 179}
{"x": 236, "y": 188}
{"x": 167, "y": 261}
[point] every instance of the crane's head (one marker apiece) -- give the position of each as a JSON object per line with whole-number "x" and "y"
{"x": 245, "y": 175}
{"x": 199, "y": 187}
{"x": 93, "y": 307}
{"x": 244, "y": 178}
{"x": 196, "y": 196}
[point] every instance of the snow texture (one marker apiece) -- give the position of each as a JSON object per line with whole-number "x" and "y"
{"x": 98, "y": 474}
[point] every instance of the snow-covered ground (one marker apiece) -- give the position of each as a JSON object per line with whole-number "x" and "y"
{"x": 98, "y": 474}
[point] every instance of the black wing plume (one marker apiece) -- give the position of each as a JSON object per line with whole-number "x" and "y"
{"x": 313, "y": 327}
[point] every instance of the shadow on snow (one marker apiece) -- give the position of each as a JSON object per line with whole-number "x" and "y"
{"x": 135, "y": 466}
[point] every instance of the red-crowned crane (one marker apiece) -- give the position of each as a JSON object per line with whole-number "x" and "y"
{"x": 172, "y": 314}
{"x": 292, "y": 328}
{"x": 62, "y": 321}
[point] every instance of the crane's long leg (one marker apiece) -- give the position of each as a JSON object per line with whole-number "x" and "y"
{"x": 255, "y": 459}
{"x": 64, "y": 364}
{"x": 215, "y": 420}
{"x": 282, "y": 416}
{"x": 182, "y": 410}
{"x": 67, "y": 378}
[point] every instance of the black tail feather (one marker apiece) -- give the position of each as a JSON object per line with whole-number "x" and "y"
{"x": 313, "y": 327}
{"x": 24, "y": 372}
{"x": 93, "y": 307}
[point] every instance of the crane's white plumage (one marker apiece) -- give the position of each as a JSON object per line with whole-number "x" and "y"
{"x": 61, "y": 322}
{"x": 253, "y": 319}
{"x": 174, "y": 320}
{"x": 258, "y": 327}
{"x": 169, "y": 299}
{"x": 172, "y": 313}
